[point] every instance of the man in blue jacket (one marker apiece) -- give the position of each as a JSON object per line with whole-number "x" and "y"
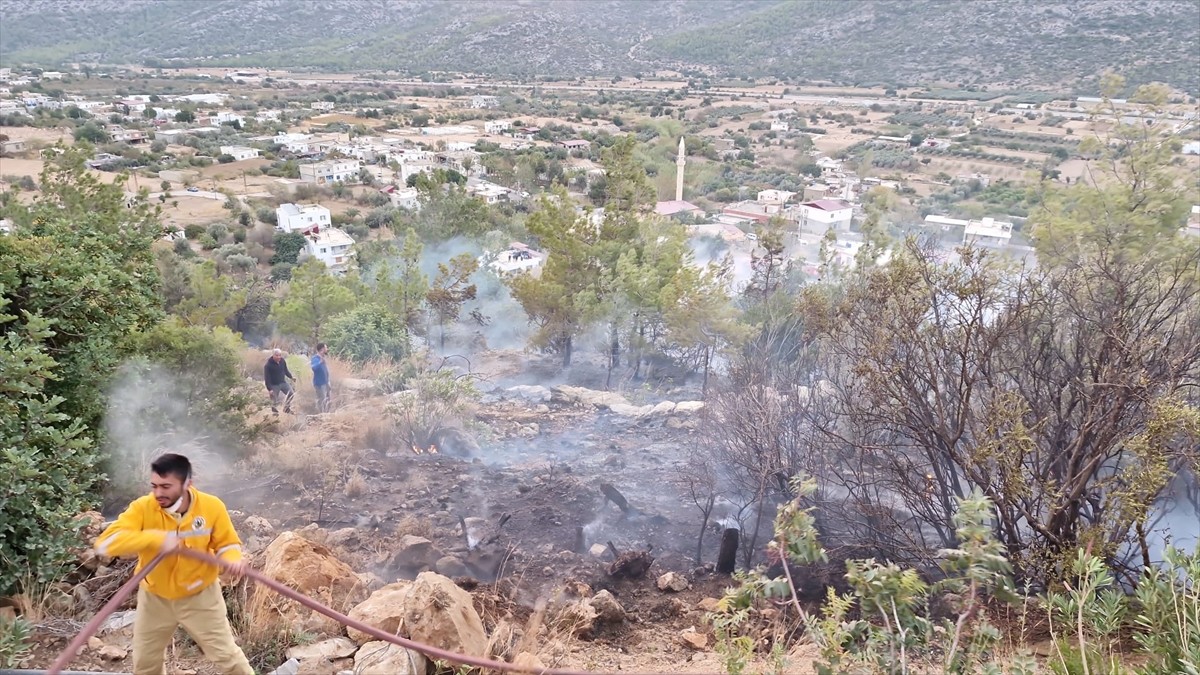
{"x": 320, "y": 371}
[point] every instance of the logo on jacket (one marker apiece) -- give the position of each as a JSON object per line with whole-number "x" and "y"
{"x": 198, "y": 523}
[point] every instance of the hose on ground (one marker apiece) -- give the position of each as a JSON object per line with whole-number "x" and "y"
{"x": 64, "y": 659}
{"x": 429, "y": 651}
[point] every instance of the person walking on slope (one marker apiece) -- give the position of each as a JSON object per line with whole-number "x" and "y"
{"x": 320, "y": 371}
{"x": 276, "y": 376}
{"x": 179, "y": 591}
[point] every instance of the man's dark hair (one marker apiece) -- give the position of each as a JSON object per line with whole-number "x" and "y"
{"x": 320, "y": 346}
{"x": 171, "y": 464}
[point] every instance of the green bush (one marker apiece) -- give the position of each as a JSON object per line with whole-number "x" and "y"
{"x": 281, "y": 271}
{"x": 15, "y": 642}
{"x": 193, "y": 231}
{"x": 287, "y": 247}
{"x": 367, "y": 332}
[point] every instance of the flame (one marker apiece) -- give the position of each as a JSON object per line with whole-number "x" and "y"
{"x": 433, "y": 450}
{"x": 416, "y": 450}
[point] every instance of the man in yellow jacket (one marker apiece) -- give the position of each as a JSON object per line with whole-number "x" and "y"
{"x": 180, "y": 590}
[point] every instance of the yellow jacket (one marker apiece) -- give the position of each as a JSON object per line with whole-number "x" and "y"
{"x": 143, "y": 527}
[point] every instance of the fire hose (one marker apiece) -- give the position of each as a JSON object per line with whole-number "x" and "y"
{"x": 76, "y": 645}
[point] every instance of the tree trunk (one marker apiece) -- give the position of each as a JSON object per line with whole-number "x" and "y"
{"x": 727, "y": 558}
{"x": 704, "y": 526}
{"x": 567, "y": 352}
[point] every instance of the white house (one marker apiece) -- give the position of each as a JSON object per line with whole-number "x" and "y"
{"x": 987, "y": 232}
{"x": 239, "y": 152}
{"x": 226, "y": 117}
{"x": 516, "y": 258}
{"x": 52, "y": 75}
{"x": 483, "y": 101}
{"x": 777, "y": 197}
{"x": 322, "y": 105}
{"x": 488, "y": 192}
{"x": 496, "y": 127}
{"x": 292, "y": 217}
{"x": 329, "y": 245}
{"x": 403, "y": 197}
{"x": 780, "y": 125}
{"x": 1192, "y": 148}
{"x": 824, "y": 214}
{"x": 330, "y": 171}
{"x": 294, "y": 143}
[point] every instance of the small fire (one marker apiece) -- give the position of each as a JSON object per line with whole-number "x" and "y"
{"x": 416, "y": 450}
{"x": 433, "y": 450}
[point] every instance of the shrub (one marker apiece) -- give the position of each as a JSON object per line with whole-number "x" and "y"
{"x": 287, "y": 247}
{"x": 281, "y": 271}
{"x": 366, "y": 333}
{"x": 15, "y": 642}
{"x": 183, "y": 248}
{"x": 193, "y": 231}
{"x": 436, "y": 402}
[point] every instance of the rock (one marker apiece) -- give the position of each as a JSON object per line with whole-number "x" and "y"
{"x": 563, "y": 393}
{"x": 708, "y": 605}
{"x": 578, "y": 617}
{"x": 383, "y": 610}
{"x": 608, "y": 610}
{"x": 385, "y": 657}
{"x": 664, "y": 408}
{"x": 325, "y": 650}
{"x": 92, "y": 525}
{"x": 439, "y": 613}
{"x": 117, "y": 621}
{"x": 415, "y": 553}
{"x": 289, "y": 667}
{"x": 598, "y": 550}
{"x": 690, "y": 638}
{"x": 95, "y": 644}
{"x": 673, "y": 582}
{"x": 531, "y": 393}
{"x": 542, "y": 409}
{"x": 319, "y": 624}
{"x": 529, "y": 661}
{"x": 370, "y": 581}
{"x": 113, "y": 653}
{"x": 345, "y": 537}
{"x": 258, "y": 526}
{"x": 450, "y": 566}
{"x": 311, "y": 569}
{"x": 627, "y": 410}
{"x": 689, "y": 407}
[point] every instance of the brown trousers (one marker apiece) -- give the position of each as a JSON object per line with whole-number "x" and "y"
{"x": 201, "y": 615}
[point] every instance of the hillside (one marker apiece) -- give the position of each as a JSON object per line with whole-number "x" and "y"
{"x": 1001, "y": 42}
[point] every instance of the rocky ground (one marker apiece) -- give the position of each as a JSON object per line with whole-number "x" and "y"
{"x": 512, "y": 525}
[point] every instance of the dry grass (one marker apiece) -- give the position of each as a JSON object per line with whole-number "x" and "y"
{"x": 417, "y": 527}
{"x": 260, "y": 620}
{"x": 377, "y": 433}
{"x": 356, "y": 485}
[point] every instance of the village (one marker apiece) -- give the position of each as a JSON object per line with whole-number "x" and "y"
{"x": 321, "y": 154}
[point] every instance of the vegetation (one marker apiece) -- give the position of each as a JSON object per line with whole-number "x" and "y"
{"x": 737, "y": 39}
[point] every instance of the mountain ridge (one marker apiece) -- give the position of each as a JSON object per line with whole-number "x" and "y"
{"x": 1014, "y": 43}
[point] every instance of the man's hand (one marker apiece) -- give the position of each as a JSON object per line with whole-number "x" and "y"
{"x": 236, "y": 570}
{"x": 170, "y": 543}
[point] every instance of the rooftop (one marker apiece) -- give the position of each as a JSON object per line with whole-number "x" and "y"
{"x": 674, "y": 206}
{"x": 828, "y": 204}
{"x": 329, "y": 236}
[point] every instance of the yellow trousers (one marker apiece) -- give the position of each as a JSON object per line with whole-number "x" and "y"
{"x": 201, "y": 615}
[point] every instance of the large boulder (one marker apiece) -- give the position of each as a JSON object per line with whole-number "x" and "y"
{"x": 312, "y": 569}
{"x": 385, "y": 657}
{"x": 563, "y": 393}
{"x": 530, "y": 392}
{"x": 608, "y": 610}
{"x": 323, "y": 651}
{"x": 441, "y": 614}
{"x": 415, "y": 554}
{"x": 383, "y": 610}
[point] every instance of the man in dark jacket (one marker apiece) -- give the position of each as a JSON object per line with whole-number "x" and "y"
{"x": 276, "y": 376}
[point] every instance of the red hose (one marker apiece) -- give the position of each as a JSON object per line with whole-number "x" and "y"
{"x": 428, "y": 650}
{"x": 64, "y": 659}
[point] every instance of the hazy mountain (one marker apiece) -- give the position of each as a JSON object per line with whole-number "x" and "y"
{"x": 995, "y": 42}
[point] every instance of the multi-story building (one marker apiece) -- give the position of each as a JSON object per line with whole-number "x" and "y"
{"x": 330, "y": 171}
{"x": 293, "y": 217}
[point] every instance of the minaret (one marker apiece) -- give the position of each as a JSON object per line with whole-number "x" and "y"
{"x": 679, "y": 162}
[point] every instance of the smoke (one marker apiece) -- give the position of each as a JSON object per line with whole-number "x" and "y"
{"x": 149, "y": 415}
{"x": 714, "y": 250}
